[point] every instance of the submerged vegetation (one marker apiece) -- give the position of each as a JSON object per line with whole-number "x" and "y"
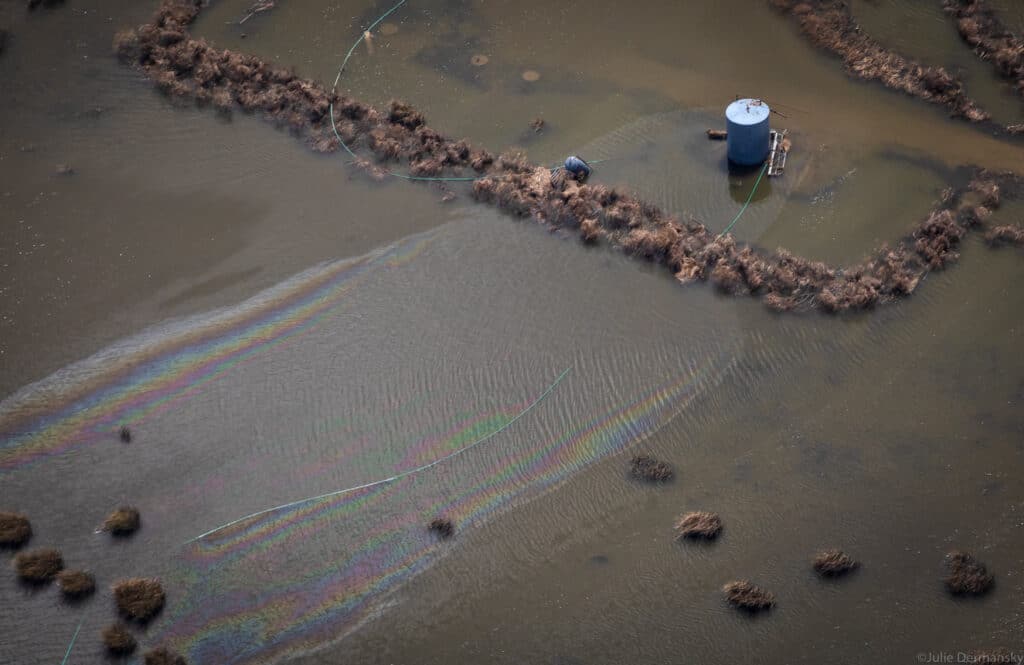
{"x": 123, "y": 522}
{"x": 699, "y": 524}
{"x": 647, "y": 468}
{"x": 966, "y": 575}
{"x": 139, "y": 599}
{"x": 76, "y": 584}
{"x": 117, "y": 640}
{"x": 833, "y": 563}
{"x": 38, "y": 566}
{"x": 748, "y": 596}
{"x": 15, "y": 529}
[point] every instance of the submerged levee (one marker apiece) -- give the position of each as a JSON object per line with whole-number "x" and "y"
{"x": 191, "y": 68}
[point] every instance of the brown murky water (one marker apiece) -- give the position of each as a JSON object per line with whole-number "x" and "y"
{"x": 273, "y": 328}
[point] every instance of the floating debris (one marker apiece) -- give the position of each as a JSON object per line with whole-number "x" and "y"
{"x": 258, "y": 8}
{"x": 64, "y": 169}
{"x": 537, "y": 124}
{"x": 15, "y": 529}
{"x": 646, "y": 467}
{"x": 531, "y": 75}
{"x": 748, "y": 596}
{"x": 163, "y": 656}
{"x": 117, "y": 640}
{"x": 76, "y": 583}
{"x": 833, "y": 563}
{"x": 443, "y": 527}
{"x": 38, "y": 566}
{"x": 125, "y": 434}
{"x": 718, "y": 134}
{"x": 139, "y": 599}
{"x": 123, "y": 522}
{"x": 966, "y": 575}
{"x": 699, "y": 524}
{"x": 479, "y": 60}
{"x": 368, "y": 40}
{"x": 388, "y": 29}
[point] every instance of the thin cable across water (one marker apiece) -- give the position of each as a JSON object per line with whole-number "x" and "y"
{"x": 749, "y": 199}
{"x": 399, "y": 476}
{"x": 74, "y": 638}
{"x": 337, "y": 135}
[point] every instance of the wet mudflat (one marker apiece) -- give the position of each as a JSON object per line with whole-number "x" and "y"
{"x": 398, "y": 329}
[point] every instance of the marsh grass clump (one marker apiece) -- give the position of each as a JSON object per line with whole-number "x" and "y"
{"x": 15, "y": 529}
{"x": 139, "y": 599}
{"x": 163, "y": 656}
{"x": 748, "y": 596}
{"x": 1005, "y": 235}
{"x": 699, "y": 524}
{"x": 833, "y": 563}
{"x": 400, "y": 113}
{"x": 966, "y": 575}
{"x": 117, "y": 640}
{"x": 123, "y": 522}
{"x": 183, "y": 66}
{"x": 990, "y": 38}
{"x": 830, "y": 25}
{"x": 443, "y": 527}
{"x": 75, "y": 584}
{"x": 38, "y": 566}
{"x": 647, "y": 468}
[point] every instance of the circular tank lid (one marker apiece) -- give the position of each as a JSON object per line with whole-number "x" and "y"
{"x": 747, "y": 112}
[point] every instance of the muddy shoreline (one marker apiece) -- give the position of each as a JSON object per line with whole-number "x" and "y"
{"x": 188, "y": 68}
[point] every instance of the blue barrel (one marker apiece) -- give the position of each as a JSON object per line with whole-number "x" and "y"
{"x": 747, "y": 123}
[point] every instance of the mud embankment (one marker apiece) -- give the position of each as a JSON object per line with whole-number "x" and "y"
{"x": 190, "y": 68}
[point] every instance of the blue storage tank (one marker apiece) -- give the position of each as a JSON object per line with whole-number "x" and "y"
{"x": 746, "y": 120}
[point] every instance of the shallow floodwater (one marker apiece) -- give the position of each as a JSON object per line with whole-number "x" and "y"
{"x": 273, "y": 327}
